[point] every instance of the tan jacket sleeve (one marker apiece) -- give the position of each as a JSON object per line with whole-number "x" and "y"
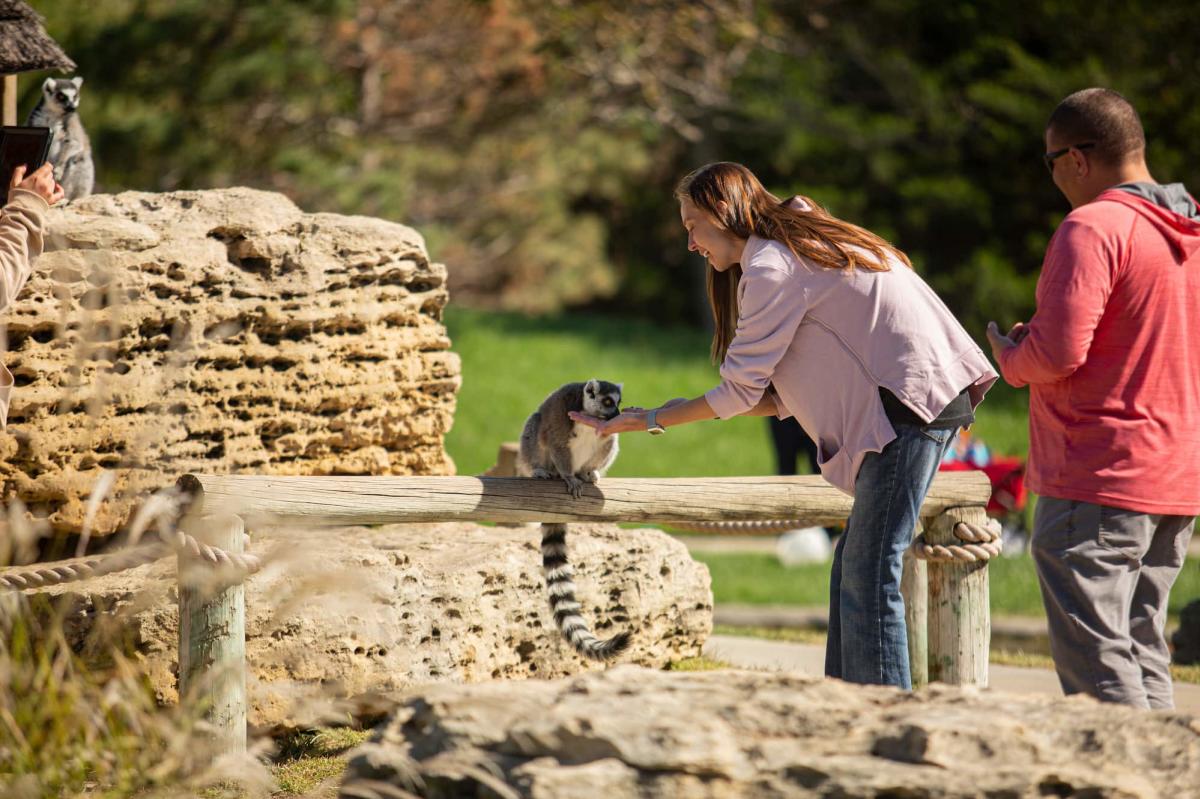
{"x": 22, "y": 223}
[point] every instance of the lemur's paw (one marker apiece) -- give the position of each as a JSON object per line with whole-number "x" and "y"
{"x": 574, "y": 485}
{"x": 542, "y": 474}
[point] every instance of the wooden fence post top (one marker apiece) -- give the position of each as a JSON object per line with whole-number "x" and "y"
{"x": 959, "y": 611}
{"x": 212, "y": 633}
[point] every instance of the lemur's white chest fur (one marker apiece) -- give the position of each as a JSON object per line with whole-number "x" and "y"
{"x": 585, "y": 443}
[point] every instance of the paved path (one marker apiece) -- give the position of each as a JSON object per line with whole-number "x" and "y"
{"x": 817, "y": 617}
{"x": 757, "y": 653}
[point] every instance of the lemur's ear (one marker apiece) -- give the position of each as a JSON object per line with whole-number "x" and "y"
{"x": 47, "y": 85}
{"x": 620, "y": 386}
{"x": 591, "y": 387}
{"x": 78, "y": 81}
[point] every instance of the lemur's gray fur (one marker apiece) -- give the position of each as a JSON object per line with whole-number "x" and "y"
{"x": 70, "y": 149}
{"x": 555, "y": 446}
{"x": 552, "y": 445}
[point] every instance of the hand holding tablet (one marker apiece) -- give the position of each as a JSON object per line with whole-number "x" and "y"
{"x": 23, "y": 152}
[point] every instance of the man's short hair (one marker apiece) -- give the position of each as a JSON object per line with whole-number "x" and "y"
{"x": 1104, "y": 117}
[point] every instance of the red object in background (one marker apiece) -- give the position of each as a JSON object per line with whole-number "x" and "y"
{"x": 1007, "y": 476}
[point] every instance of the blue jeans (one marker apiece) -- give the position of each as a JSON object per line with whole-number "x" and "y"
{"x": 868, "y": 641}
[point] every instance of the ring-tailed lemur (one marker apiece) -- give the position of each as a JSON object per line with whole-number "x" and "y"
{"x": 70, "y": 149}
{"x": 554, "y": 446}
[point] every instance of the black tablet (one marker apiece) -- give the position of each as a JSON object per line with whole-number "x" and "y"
{"x": 21, "y": 145}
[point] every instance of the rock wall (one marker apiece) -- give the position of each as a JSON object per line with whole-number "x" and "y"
{"x": 632, "y": 733}
{"x": 342, "y": 616}
{"x": 221, "y": 331}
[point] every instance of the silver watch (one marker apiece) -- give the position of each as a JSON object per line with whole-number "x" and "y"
{"x": 652, "y": 425}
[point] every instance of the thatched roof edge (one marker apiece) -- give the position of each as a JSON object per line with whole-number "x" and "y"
{"x": 24, "y": 44}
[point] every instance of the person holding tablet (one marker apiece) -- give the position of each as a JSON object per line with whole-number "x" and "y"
{"x": 22, "y": 224}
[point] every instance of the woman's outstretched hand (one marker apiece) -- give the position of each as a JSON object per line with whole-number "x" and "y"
{"x": 628, "y": 421}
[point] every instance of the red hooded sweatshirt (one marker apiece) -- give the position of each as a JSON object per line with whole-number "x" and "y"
{"x": 1112, "y": 359}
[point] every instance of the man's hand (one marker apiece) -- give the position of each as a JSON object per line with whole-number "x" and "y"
{"x": 41, "y": 183}
{"x": 1000, "y": 343}
{"x": 629, "y": 421}
{"x": 1018, "y": 332}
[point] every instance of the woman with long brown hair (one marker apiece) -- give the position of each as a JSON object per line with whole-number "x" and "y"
{"x": 820, "y": 319}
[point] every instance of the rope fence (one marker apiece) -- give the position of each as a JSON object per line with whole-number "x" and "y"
{"x": 173, "y": 541}
{"x": 203, "y": 522}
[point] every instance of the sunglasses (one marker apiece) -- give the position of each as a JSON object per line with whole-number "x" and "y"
{"x": 1050, "y": 157}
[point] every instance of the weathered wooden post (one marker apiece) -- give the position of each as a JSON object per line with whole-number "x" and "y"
{"x": 8, "y": 106}
{"x": 506, "y": 460}
{"x": 914, "y": 586}
{"x": 960, "y": 627}
{"x": 212, "y": 632}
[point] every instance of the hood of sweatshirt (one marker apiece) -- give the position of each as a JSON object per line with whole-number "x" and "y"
{"x": 1172, "y": 196}
{"x": 1170, "y": 209}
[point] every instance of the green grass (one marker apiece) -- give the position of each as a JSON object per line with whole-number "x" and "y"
{"x": 758, "y": 578}
{"x": 701, "y": 663}
{"x": 307, "y": 759}
{"x": 511, "y": 362}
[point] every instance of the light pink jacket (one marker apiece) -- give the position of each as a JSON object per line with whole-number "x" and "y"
{"x": 21, "y": 225}
{"x": 827, "y": 339}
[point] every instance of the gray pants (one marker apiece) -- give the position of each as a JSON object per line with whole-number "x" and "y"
{"x": 1105, "y": 574}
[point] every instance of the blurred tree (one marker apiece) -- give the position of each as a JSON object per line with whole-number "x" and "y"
{"x": 536, "y": 142}
{"x": 924, "y": 122}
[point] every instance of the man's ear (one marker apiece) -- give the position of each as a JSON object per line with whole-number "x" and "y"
{"x": 1081, "y": 163}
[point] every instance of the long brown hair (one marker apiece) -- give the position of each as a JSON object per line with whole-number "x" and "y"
{"x": 813, "y": 234}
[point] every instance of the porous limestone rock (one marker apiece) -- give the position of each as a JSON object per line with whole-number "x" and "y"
{"x": 631, "y": 732}
{"x": 221, "y": 331}
{"x": 356, "y": 613}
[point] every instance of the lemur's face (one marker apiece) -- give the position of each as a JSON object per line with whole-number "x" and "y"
{"x": 602, "y": 399}
{"x": 62, "y": 94}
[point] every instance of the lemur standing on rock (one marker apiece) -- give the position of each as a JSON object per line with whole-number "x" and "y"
{"x": 70, "y": 149}
{"x": 554, "y": 446}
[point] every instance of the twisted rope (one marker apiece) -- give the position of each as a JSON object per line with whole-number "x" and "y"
{"x": 69, "y": 571}
{"x": 739, "y": 528}
{"x": 78, "y": 569}
{"x": 980, "y": 544}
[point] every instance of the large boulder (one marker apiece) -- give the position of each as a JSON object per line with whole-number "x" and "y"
{"x": 221, "y": 331}
{"x": 631, "y": 732}
{"x": 342, "y": 618}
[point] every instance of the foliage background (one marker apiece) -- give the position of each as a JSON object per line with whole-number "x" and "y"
{"x": 536, "y": 142}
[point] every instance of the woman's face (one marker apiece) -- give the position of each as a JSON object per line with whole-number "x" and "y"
{"x": 707, "y": 237}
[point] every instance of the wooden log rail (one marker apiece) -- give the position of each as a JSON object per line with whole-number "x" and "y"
{"x": 947, "y": 603}
{"x": 335, "y": 501}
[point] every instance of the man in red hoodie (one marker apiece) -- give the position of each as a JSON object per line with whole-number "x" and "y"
{"x": 1112, "y": 361}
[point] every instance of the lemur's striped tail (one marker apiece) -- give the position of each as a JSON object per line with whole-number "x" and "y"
{"x": 561, "y": 590}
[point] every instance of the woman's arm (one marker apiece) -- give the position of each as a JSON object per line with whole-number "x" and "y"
{"x": 772, "y": 306}
{"x": 671, "y": 414}
{"x": 765, "y": 407}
